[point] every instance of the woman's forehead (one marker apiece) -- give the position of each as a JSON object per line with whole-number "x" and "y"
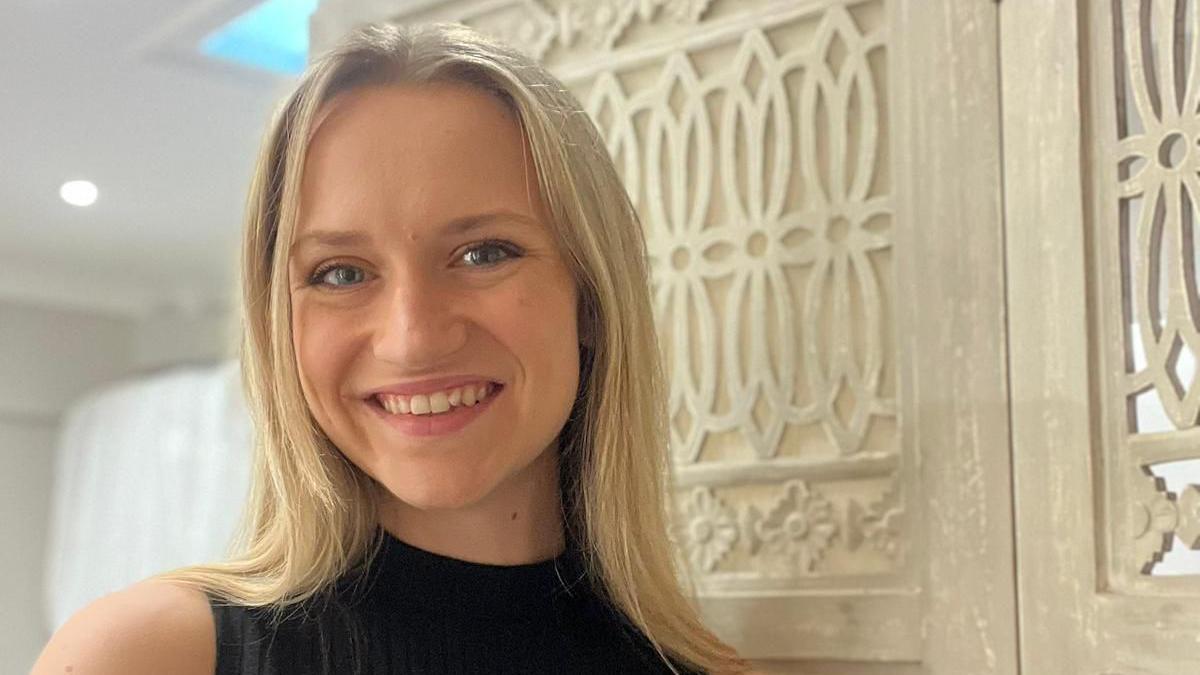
{"x": 426, "y": 152}
{"x": 446, "y": 105}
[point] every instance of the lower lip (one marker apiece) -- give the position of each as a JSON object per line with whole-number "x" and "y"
{"x": 439, "y": 424}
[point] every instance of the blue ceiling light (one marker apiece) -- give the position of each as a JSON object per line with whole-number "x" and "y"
{"x": 273, "y": 35}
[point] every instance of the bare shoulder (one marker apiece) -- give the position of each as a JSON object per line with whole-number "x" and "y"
{"x": 151, "y": 627}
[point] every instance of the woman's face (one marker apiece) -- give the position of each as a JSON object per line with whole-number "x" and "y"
{"x": 423, "y": 264}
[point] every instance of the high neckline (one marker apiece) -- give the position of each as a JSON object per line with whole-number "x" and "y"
{"x": 408, "y": 576}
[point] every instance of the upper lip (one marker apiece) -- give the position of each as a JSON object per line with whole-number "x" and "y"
{"x": 429, "y": 386}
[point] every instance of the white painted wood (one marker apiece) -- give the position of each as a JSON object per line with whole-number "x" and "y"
{"x": 1090, "y": 522}
{"x": 952, "y": 329}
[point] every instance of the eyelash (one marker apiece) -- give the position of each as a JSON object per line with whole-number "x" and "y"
{"x": 511, "y": 252}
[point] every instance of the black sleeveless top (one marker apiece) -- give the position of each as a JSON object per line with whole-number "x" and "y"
{"x": 415, "y": 611}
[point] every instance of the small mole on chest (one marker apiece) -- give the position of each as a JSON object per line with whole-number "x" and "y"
{"x": 514, "y": 516}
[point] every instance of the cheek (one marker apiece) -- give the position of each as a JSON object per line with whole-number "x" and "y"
{"x": 315, "y": 340}
{"x": 308, "y": 371}
{"x": 547, "y": 305}
{"x": 549, "y": 331}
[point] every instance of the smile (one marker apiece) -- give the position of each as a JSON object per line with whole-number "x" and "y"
{"x": 421, "y": 418}
{"x": 437, "y": 402}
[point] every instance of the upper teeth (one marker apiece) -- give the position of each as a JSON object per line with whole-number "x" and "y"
{"x": 437, "y": 402}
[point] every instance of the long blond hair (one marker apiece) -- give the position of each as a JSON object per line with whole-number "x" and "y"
{"x": 312, "y": 515}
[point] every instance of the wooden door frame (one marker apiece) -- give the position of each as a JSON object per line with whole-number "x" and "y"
{"x": 950, "y": 247}
{"x": 1048, "y": 340}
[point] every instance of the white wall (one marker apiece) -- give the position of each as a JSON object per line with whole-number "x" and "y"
{"x": 25, "y": 470}
{"x": 168, "y": 337}
{"x": 48, "y": 359}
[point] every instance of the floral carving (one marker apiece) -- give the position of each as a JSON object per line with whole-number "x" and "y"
{"x": 798, "y": 527}
{"x": 602, "y": 21}
{"x": 524, "y": 24}
{"x": 880, "y": 525}
{"x": 685, "y": 10}
{"x": 533, "y": 26}
{"x": 708, "y": 531}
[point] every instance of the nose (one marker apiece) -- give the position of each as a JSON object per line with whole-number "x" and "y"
{"x": 422, "y": 324}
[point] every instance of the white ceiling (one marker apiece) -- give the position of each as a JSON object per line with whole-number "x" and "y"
{"x": 113, "y": 91}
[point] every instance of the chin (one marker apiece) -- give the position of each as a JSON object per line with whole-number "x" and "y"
{"x": 434, "y": 493}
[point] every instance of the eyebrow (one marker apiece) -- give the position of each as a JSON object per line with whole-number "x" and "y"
{"x": 456, "y": 226}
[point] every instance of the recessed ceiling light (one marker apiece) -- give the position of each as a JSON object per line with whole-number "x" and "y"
{"x": 79, "y": 192}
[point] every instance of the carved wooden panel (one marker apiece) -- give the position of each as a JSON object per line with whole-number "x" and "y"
{"x": 754, "y": 160}
{"x": 1100, "y": 218}
{"x": 1152, "y": 306}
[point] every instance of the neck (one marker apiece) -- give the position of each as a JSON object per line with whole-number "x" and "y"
{"x": 519, "y": 522}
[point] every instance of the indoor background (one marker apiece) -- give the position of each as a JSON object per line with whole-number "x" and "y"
{"x": 925, "y": 272}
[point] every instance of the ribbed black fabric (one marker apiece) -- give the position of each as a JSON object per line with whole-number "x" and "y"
{"x": 418, "y": 612}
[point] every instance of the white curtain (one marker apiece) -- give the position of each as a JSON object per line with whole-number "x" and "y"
{"x": 149, "y": 475}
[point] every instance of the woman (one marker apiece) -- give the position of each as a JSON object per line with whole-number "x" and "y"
{"x": 452, "y": 367}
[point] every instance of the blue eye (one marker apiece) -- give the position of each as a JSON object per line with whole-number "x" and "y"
{"x": 318, "y": 277}
{"x": 488, "y": 253}
{"x": 484, "y": 254}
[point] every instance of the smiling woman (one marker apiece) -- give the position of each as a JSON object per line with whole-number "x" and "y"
{"x": 418, "y": 313}
{"x": 452, "y": 366}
